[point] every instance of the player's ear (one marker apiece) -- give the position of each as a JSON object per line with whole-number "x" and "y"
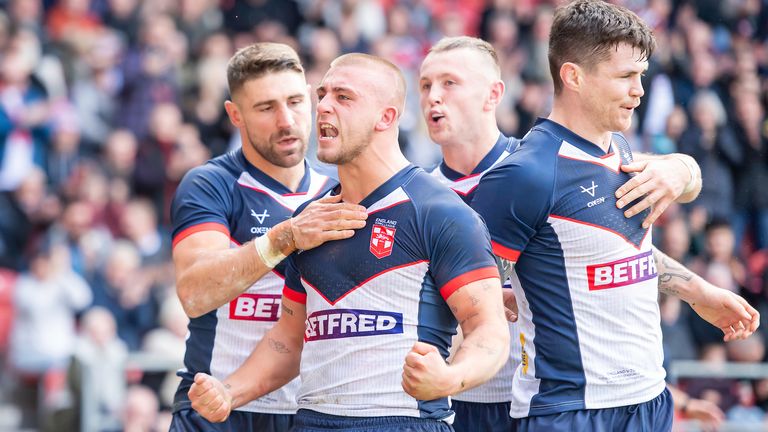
{"x": 387, "y": 119}
{"x": 571, "y": 75}
{"x": 235, "y": 117}
{"x": 494, "y": 98}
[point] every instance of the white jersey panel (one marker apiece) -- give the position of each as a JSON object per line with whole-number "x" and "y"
{"x": 615, "y": 305}
{"x": 334, "y": 381}
{"x": 241, "y": 325}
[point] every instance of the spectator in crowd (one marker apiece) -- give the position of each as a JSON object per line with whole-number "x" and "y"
{"x": 115, "y": 60}
{"x": 712, "y": 143}
{"x": 96, "y": 375}
{"x": 46, "y": 300}
{"x": 25, "y": 214}
{"x": 123, "y": 289}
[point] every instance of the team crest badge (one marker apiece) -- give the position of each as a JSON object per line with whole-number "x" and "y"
{"x": 382, "y": 240}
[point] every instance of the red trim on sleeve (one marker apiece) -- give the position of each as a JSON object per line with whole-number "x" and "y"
{"x": 467, "y": 278}
{"x": 208, "y": 226}
{"x": 294, "y": 296}
{"x": 505, "y": 252}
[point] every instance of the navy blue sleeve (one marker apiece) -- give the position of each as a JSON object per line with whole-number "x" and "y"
{"x": 203, "y": 202}
{"x": 514, "y": 200}
{"x": 293, "y": 289}
{"x": 457, "y": 243}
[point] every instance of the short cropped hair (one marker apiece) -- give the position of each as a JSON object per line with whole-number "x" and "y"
{"x": 398, "y": 94}
{"x": 259, "y": 59}
{"x": 461, "y": 42}
{"x": 584, "y": 32}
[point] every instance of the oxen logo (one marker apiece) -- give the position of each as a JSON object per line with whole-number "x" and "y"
{"x": 382, "y": 240}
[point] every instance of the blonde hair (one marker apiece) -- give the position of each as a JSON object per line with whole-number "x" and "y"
{"x": 467, "y": 42}
{"x": 386, "y": 65}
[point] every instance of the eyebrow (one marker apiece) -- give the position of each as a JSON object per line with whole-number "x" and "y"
{"x": 337, "y": 89}
{"x": 271, "y": 101}
{"x": 440, "y": 76}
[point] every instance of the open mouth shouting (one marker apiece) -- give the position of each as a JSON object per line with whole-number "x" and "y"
{"x": 326, "y": 131}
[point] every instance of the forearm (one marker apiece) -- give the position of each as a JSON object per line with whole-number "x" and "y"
{"x": 675, "y": 279}
{"x": 272, "y": 364}
{"x": 480, "y": 355}
{"x": 215, "y": 277}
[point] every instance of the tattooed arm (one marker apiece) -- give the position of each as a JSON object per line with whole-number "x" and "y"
{"x": 478, "y": 308}
{"x": 273, "y": 363}
{"x": 722, "y": 308}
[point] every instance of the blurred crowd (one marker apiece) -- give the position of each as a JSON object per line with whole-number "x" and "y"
{"x": 106, "y": 104}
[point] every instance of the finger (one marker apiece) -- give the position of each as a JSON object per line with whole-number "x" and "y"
{"x": 634, "y": 166}
{"x": 341, "y": 224}
{"x": 357, "y": 210}
{"x": 632, "y": 184}
{"x": 634, "y": 194}
{"x": 336, "y": 235}
{"x": 645, "y": 203}
{"x": 511, "y": 316}
{"x": 348, "y": 213}
{"x": 412, "y": 360}
{"x": 330, "y": 199}
{"x": 423, "y": 348}
{"x": 658, "y": 210}
{"x": 344, "y": 214}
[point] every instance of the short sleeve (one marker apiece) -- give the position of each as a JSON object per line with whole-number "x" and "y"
{"x": 458, "y": 245}
{"x": 293, "y": 288}
{"x": 202, "y": 202}
{"x": 514, "y": 201}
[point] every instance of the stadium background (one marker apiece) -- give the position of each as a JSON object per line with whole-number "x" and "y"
{"x": 105, "y": 104}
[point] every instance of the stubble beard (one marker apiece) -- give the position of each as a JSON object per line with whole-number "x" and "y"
{"x": 268, "y": 152}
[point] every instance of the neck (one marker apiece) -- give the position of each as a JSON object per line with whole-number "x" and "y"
{"x": 288, "y": 177}
{"x": 369, "y": 170}
{"x": 465, "y": 156}
{"x": 581, "y": 124}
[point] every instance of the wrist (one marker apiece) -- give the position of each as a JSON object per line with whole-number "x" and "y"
{"x": 267, "y": 252}
{"x": 688, "y": 162}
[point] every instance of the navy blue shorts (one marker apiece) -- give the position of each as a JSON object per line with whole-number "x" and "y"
{"x": 486, "y": 417}
{"x": 652, "y": 416}
{"x": 188, "y": 420}
{"x": 313, "y": 421}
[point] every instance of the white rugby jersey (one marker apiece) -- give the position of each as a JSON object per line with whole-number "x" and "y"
{"x": 498, "y": 388}
{"x": 369, "y": 298}
{"x": 585, "y": 278}
{"x": 231, "y": 196}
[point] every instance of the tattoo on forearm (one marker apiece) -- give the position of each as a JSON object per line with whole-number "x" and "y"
{"x": 473, "y": 315}
{"x": 287, "y": 310}
{"x": 474, "y": 300}
{"x": 490, "y": 350}
{"x": 278, "y": 346}
{"x": 672, "y": 273}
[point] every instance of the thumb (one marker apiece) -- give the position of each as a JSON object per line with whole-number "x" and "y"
{"x": 634, "y": 166}
{"x": 201, "y": 378}
{"x": 423, "y": 348}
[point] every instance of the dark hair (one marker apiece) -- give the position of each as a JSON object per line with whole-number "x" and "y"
{"x": 585, "y": 31}
{"x": 255, "y": 61}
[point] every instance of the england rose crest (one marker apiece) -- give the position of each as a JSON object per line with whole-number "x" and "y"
{"x": 382, "y": 240}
